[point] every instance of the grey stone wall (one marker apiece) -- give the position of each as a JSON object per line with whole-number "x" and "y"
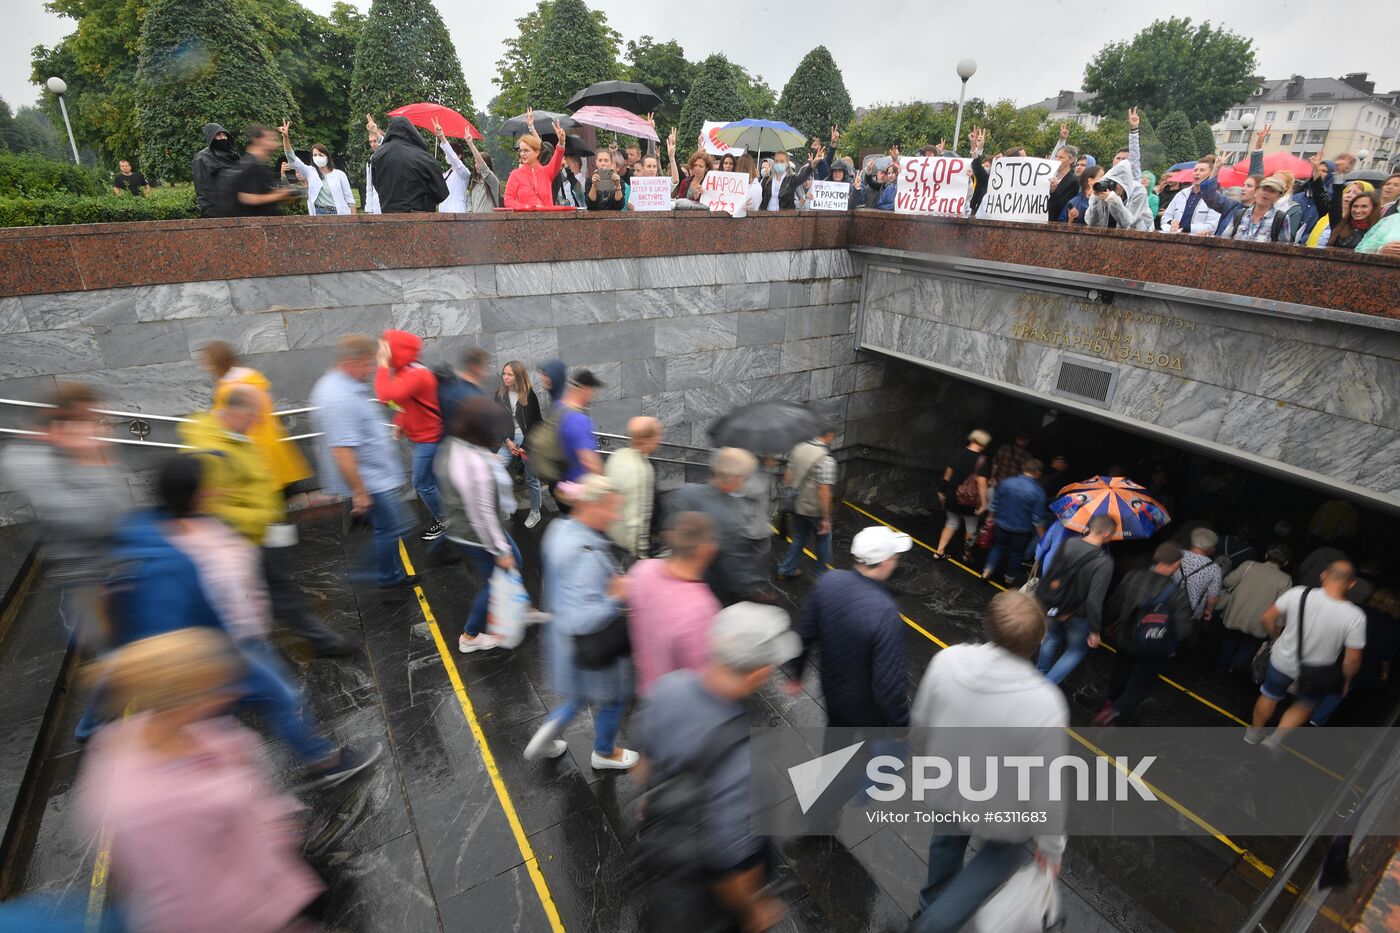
{"x": 685, "y": 339}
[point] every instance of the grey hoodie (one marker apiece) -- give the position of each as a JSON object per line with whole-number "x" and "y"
{"x": 1135, "y": 214}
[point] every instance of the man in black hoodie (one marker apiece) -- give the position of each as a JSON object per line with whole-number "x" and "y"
{"x": 407, "y": 177}
{"x": 217, "y": 156}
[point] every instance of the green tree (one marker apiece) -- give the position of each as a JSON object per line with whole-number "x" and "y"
{"x": 1007, "y": 126}
{"x": 1201, "y": 70}
{"x": 758, "y": 98}
{"x": 516, "y": 68}
{"x": 36, "y": 133}
{"x": 574, "y": 52}
{"x": 200, "y": 62}
{"x": 404, "y": 56}
{"x": 1178, "y": 142}
{"x": 815, "y": 98}
{"x": 1205, "y": 138}
{"x": 663, "y": 68}
{"x": 911, "y": 125}
{"x": 713, "y": 96}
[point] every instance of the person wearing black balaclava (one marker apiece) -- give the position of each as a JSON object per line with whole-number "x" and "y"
{"x": 217, "y": 156}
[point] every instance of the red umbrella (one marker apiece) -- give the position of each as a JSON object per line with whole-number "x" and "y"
{"x": 423, "y": 115}
{"x": 1273, "y": 162}
{"x": 1184, "y": 177}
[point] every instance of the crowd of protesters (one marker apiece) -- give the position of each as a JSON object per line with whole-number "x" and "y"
{"x": 1323, "y": 210}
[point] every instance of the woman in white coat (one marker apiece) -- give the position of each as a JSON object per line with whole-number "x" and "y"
{"x": 474, "y": 192}
{"x": 327, "y": 187}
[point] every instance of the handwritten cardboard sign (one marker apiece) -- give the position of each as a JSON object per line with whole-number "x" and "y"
{"x": 1018, "y": 190}
{"x": 932, "y": 186}
{"x": 831, "y": 195}
{"x": 650, "y": 194}
{"x": 725, "y": 192}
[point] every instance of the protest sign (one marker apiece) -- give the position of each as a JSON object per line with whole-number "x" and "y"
{"x": 830, "y": 195}
{"x": 1018, "y": 190}
{"x": 713, "y": 144}
{"x": 932, "y": 185}
{"x": 650, "y": 194}
{"x": 725, "y": 192}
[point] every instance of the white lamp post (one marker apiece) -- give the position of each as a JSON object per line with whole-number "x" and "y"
{"x": 60, "y": 87}
{"x": 1247, "y": 121}
{"x": 966, "y": 69}
{"x": 1361, "y": 156}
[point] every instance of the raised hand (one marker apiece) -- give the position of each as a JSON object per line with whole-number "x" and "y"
{"x": 1134, "y": 121}
{"x": 941, "y": 144}
{"x": 370, "y": 124}
{"x": 1064, "y": 131}
{"x": 437, "y": 129}
{"x": 285, "y": 128}
{"x": 651, "y": 120}
{"x": 1262, "y": 135}
{"x": 559, "y": 132}
{"x": 671, "y": 141}
{"x": 835, "y": 136}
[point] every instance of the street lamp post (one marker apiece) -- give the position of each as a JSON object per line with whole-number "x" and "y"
{"x": 60, "y": 87}
{"x": 966, "y": 69}
{"x": 1247, "y": 122}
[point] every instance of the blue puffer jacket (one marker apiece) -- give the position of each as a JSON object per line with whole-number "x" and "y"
{"x": 864, "y": 666}
{"x": 153, "y": 588}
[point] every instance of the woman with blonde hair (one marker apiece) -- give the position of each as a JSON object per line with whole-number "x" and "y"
{"x": 531, "y": 186}
{"x": 963, "y": 491}
{"x": 518, "y": 397}
{"x": 284, "y": 458}
{"x": 200, "y": 841}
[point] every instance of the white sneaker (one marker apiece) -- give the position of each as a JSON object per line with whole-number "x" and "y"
{"x": 626, "y": 760}
{"x": 482, "y": 642}
{"x": 1253, "y": 735}
{"x": 532, "y": 519}
{"x": 543, "y": 743}
{"x": 537, "y": 617}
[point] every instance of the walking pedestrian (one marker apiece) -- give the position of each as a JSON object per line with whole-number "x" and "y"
{"x": 994, "y": 688}
{"x": 585, "y": 595}
{"x": 1201, "y": 575}
{"x": 1382, "y": 644}
{"x": 964, "y": 491}
{"x": 356, "y": 456}
{"x": 631, "y": 472}
{"x": 283, "y": 457}
{"x": 1019, "y": 508}
{"x": 669, "y": 606}
{"x": 238, "y": 487}
{"x": 134, "y": 183}
{"x": 1074, "y": 593}
{"x": 1249, "y": 591}
{"x": 403, "y": 381}
{"x": 1316, "y": 651}
{"x": 733, "y": 576}
{"x": 1153, "y": 617}
{"x": 577, "y": 434}
{"x": 520, "y": 400}
{"x": 811, "y": 472}
{"x": 479, "y": 499}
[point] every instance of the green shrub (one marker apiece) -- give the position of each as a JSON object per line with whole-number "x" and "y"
{"x": 162, "y": 204}
{"x": 33, "y": 176}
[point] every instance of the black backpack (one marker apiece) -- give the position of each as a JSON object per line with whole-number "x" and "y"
{"x": 1066, "y": 589}
{"x": 670, "y": 840}
{"x": 1152, "y": 629}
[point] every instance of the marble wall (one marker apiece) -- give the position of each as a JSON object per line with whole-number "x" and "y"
{"x": 1319, "y": 397}
{"x": 683, "y": 338}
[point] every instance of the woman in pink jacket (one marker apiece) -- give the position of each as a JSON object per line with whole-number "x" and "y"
{"x": 532, "y": 184}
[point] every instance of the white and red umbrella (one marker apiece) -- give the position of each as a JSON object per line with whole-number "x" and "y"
{"x": 615, "y": 120}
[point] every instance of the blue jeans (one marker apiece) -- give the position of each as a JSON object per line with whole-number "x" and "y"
{"x": 390, "y": 521}
{"x": 607, "y": 719}
{"x": 1237, "y": 651}
{"x": 531, "y": 480}
{"x": 485, "y": 563}
{"x": 804, "y": 527}
{"x": 424, "y": 480}
{"x": 954, "y": 891}
{"x": 1073, "y": 636}
{"x": 1007, "y": 544}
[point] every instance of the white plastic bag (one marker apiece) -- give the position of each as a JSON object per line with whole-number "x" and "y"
{"x": 1029, "y": 902}
{"x": 508, "y": 606}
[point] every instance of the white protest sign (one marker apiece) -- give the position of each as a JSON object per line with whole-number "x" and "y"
{"x": 932, "y": 185}
{"x": 713, "y": 144}
{"x": 830, "y": 195}
{"x": 650, "y": 194}
{"x": 1018, "y": 190}
{"x": 725, "y": 192}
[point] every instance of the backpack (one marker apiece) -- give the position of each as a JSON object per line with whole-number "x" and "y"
{"x": 545, "y": 447}
{"x": 1152, "y": 630}
{"x": 670, "y": 843}
{"x": 1065, "y": 589}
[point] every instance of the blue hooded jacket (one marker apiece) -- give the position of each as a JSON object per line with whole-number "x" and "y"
{"x": 154, "y": 587}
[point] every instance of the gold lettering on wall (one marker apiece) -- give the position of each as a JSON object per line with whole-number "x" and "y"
{"x": 1108, "y": 339}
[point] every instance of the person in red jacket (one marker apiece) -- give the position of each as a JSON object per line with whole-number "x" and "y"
{"x": 532, "y": 184}
{"x": 411, "y": 387}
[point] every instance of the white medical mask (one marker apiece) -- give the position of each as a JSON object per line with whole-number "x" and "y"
{"x": 780, "y": 168}
{"x": 320, "y": 160}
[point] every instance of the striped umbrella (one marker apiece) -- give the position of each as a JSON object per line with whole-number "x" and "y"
{"x": 1138, "y": 514}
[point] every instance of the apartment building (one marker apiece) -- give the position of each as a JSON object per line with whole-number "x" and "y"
{"x": 1064, "y": 108}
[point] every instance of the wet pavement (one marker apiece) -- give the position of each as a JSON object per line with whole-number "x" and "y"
{"x": 432, "y": 840}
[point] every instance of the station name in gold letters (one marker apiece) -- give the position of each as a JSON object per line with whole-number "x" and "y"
{"x": 1100, "y": 341}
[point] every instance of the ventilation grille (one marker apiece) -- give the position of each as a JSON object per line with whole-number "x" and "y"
{"x": 1090, "y": 382}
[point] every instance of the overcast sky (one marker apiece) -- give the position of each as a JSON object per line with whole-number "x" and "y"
{"x": 1025, "y": 50}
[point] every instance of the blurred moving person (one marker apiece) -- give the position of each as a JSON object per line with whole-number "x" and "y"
{"x": 812, "y": 472}
{"x": 670, "y": 609}
{"x": 734, "y": 575}
{"x": 402, "y": 381}
{"x": 631, "y": 472}
{"x": 283, "y": 457}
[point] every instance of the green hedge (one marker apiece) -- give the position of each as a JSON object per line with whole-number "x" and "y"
{"x": 33, "y": 176}
{"x": 162, "y": 204}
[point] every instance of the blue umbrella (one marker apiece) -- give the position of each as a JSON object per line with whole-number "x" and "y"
{"x": 761, "y": 135}
{"x": 1138, "y": 514}
{"x": 1181, "y": 165}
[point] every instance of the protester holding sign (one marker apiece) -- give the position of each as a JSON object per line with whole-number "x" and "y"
{"x": 688, "y": 191}
{"x": 725, "y": 193}
{"x": 1018, "y": 190}
{"x": 931, "y": 186}
{"x": 649, "y": 192}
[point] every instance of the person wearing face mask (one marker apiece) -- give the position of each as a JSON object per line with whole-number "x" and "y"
{"x": 376, "y": 136}
{"x": 217, "y": 157}
{"x": 327, "y": 187}
{"x": 779, "y": 191}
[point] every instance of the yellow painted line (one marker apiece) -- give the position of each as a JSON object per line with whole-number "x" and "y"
{"x": 97, "y": 892}
{"x": 932, "y": 550}
{"x": 469, "y": 711}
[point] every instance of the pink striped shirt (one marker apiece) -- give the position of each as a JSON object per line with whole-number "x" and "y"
{"x": 669, "y": 622}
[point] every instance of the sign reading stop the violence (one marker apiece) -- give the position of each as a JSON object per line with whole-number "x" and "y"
{"x": 932, "y": 185}
{"x": 725, "y": 192}
{"x": 650, "y": 194}
{"x": 1018, "y": 190}
{"x": 830, "y": 196}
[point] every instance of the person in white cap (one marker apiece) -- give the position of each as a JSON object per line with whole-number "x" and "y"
{"x": 864, "y": 666}
{"x": 695, "y": 724}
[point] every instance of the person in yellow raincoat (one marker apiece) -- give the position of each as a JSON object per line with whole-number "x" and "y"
{"x": 284, "y": 459}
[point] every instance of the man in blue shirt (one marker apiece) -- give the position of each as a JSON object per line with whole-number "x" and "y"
{"x": 356, "y": 455}
{"x": 1019, "y": 507}
{"x": 576, "y": 438}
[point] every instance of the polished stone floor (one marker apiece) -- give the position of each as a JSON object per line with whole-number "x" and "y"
{"x": 424, "y": 843}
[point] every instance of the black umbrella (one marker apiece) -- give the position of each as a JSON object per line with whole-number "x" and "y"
{"x": 632, "y": 97}
{"x": 766, "y": 428}
{"x": 575, "y": 146}
{"x": 544, "y": 122}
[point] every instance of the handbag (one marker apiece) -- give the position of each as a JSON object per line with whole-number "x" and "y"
{"x": 594, "y": 651}
{"x": 1259, "y": 667}
{"x": 967, "y": 494}
{"x": 985, "y": 536}
{"x": 1316, "y": 679}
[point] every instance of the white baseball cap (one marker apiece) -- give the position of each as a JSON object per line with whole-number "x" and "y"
{"x": 877, "y": 544}
{"x": 747, "y": 636}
